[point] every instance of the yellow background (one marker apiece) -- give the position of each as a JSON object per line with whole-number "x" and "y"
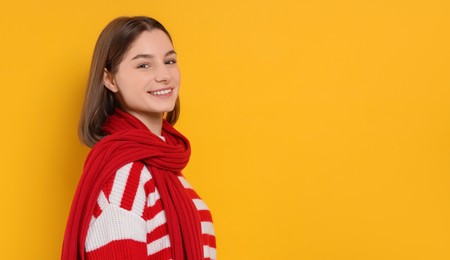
{"x": 320, "y": 129}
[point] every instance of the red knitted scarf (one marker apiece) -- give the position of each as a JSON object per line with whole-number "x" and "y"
{"x": 129, "y": 140}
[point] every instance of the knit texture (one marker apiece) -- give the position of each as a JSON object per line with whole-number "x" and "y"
{"x": 129, "y": 221}
{"x": 130, "y": 141}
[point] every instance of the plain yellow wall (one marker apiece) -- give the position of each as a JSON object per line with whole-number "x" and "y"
{"x": 320, "y": 129}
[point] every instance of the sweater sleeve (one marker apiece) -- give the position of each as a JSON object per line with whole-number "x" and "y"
{"x": 118, "y": 229}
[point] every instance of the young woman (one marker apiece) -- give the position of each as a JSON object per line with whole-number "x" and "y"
{"x": 132, "y": 202}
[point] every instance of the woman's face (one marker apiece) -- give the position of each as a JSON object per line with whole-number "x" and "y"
{"x": 148, "y": 79}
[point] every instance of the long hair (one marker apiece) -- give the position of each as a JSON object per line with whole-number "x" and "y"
{"x": 112, "y": 44}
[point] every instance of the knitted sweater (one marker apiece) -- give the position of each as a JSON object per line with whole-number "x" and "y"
{"x": 129, "y": 221}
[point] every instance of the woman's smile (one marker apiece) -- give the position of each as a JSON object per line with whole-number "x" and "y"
{"x": 162, "y": 92}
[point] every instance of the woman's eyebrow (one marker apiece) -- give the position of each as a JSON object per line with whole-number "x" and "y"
{"x": 170, "y": 53}
{"x": 150, "y": 56}
{"x": 143, "y": 56}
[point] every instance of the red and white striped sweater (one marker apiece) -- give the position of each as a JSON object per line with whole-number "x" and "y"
{"x": 129, "y": 221}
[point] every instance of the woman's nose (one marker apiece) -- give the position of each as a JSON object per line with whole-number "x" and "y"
{"x": 162, "y": 73}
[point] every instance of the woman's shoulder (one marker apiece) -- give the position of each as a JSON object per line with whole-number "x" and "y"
{"x": 134, "y": 172}
{"x": 129, "y": 181}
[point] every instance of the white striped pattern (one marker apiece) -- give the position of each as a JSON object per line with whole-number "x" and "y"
{"x": 140, "y": 199}
{"x": 209, "y": 252}
{"x": 119, "y": 184}
{"x": 115, "y": 223}
{"x": 102, "y": 200}
{"x": 158, "y": 245}
{"x": 207, "y": 228}
{"x": 184, "y": 182}
{"x": 153, "y": 198}
{"x": 158, "y": 220}
{"x": 199, "y": 204}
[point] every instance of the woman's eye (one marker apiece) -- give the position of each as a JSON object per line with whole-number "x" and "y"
{"x": 143, "y": 66}
{"x": 171, "y": 61}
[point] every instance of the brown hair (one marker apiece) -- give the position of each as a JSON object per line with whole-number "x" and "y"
{"x": 112, "y": 44}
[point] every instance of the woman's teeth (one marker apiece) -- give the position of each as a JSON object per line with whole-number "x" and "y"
{"x": 161, "y": 92}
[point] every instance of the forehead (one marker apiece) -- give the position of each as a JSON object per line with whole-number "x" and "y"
{"x": 154, "y": 42}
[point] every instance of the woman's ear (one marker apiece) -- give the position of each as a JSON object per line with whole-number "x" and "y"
{"x": 108, "y": 81}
